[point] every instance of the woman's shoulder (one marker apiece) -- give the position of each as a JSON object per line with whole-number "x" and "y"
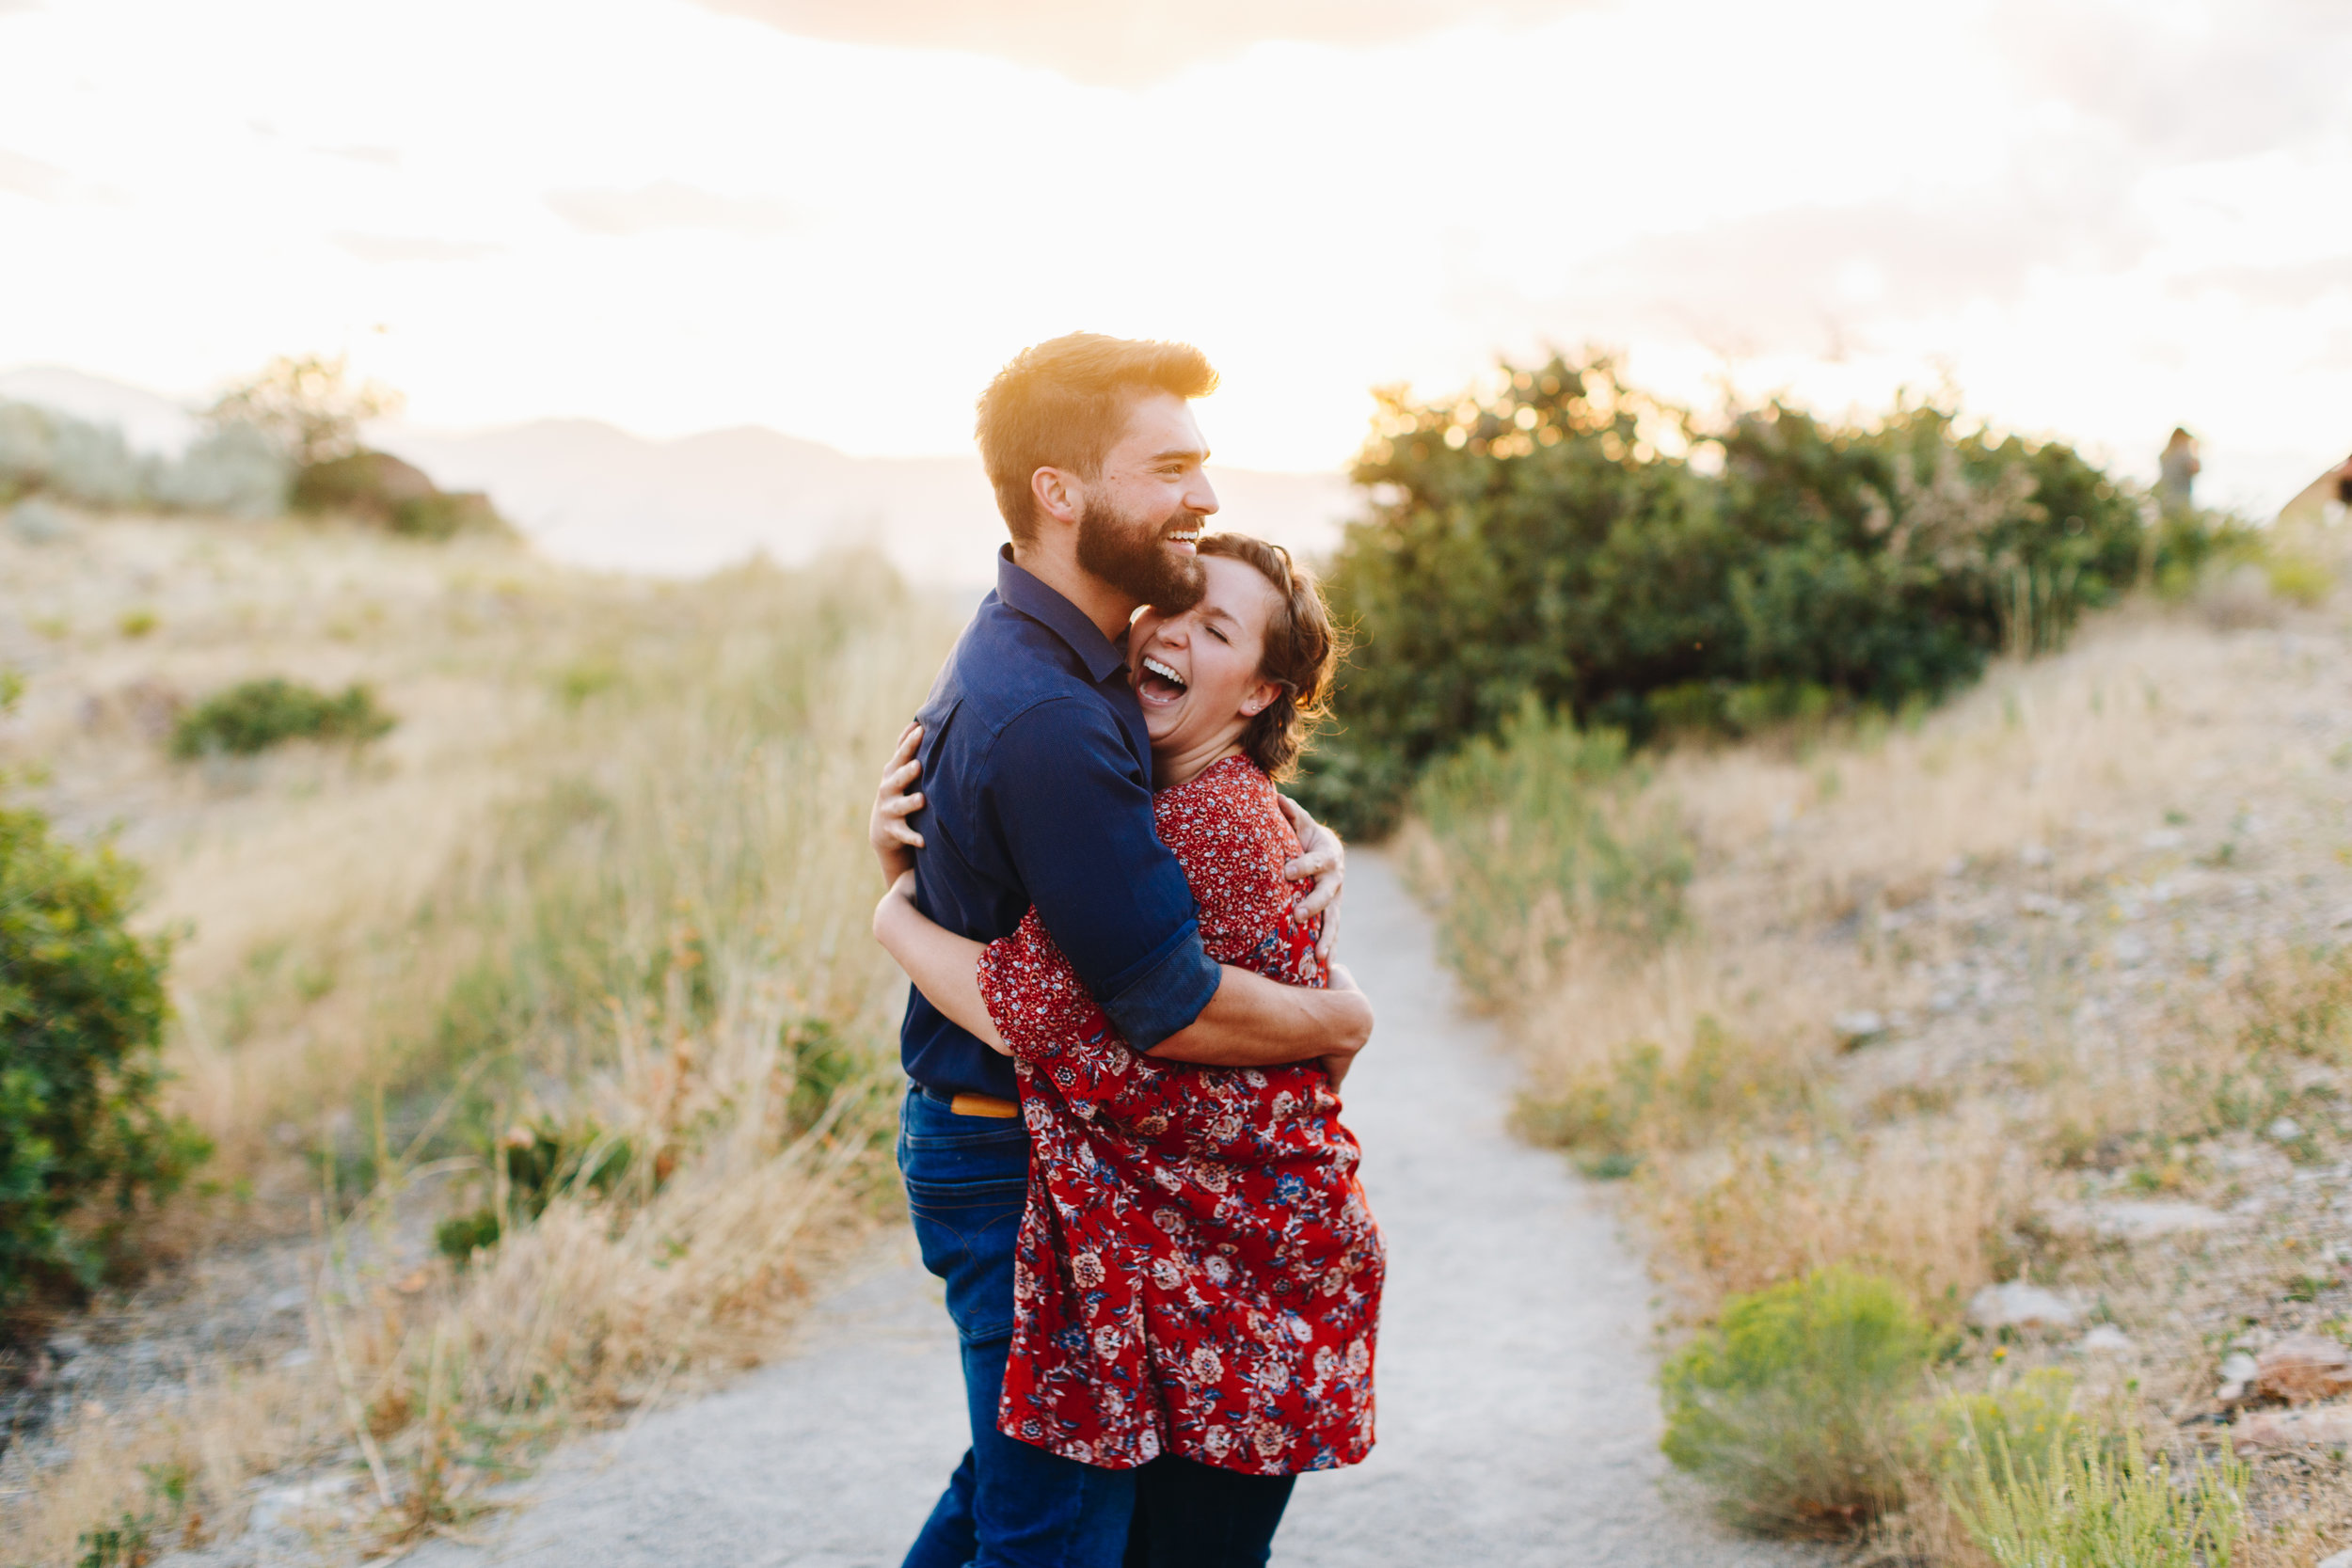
{"x": 1229, "y": 790}
{"x": 1229, "y": 803}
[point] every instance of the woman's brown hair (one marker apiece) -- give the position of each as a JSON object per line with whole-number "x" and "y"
{"x": 1302, "y": 649}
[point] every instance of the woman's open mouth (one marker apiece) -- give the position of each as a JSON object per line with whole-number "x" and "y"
{"x": 1157, "y": 684}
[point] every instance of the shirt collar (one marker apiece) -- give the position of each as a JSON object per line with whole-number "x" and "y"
{"x": 1016, "y": 587}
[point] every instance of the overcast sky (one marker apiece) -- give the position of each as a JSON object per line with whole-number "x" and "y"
{"x": 837, "y": 217}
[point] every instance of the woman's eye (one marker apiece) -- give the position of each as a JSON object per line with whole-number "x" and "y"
{"x": 1219, "y": 636}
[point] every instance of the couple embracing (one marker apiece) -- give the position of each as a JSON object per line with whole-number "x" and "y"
{"x": 1120, "y": 1139}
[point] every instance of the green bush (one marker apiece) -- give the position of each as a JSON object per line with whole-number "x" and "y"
{"x": 2026, "y": 1418}
{"x": 2090, "y": 1504}
{"x": 379, "y": 488}
{"x": 539, "y": 1160}
{"x": 1539, "y": 847}
{"x": 1574, "y": 540}
{"x": 1792, "y": 1408}
{"x": 82, "y": 1014}
{"x": 256, "y": 715}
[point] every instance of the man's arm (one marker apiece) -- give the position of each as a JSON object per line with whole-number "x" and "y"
{"x": 1254, "y": 1022}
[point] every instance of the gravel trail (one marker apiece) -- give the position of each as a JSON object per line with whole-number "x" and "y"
{"x": 1519, "y": 1428}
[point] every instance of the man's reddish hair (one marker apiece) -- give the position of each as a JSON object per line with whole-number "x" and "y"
{"x": 1063, "y": 404}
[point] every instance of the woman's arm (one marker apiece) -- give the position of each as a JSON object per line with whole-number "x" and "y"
{"x": 945, "y": 967}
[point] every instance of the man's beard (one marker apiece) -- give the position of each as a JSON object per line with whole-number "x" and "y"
{"x": 1133, "y": 558}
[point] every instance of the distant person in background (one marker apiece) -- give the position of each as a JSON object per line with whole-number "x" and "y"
{"x": 2343, "y": 486}
{"x": 2176, "y": 472}
{"x": 1036, "y": 773}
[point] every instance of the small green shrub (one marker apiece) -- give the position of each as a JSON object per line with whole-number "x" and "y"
{"x": 1792, "y": 1408}
{"x": 2088, "y": 1504}
{"x": 460, "y": 1236}
{"x": 539, "y": 1160}
{"x": 256, "y": 715}
{"x": 1539, "y": 848}
{"x": 2028, "y": 1418}
{"x": 82, "y": 1014}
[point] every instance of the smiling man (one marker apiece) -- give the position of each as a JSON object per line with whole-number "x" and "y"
{"x": 1037, "y": 768}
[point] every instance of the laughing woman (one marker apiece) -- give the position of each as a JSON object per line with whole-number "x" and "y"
{"x": 1198, "y": 1277}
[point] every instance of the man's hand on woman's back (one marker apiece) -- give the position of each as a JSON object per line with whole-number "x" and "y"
{"x": 895, "y": 801}
{"x": 1323, "y": 857}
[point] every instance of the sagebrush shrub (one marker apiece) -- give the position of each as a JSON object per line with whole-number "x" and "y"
{"x": 82, "y": 1011}
{"x": 1791, "y": 1409}
{"x": 256, "y": 715}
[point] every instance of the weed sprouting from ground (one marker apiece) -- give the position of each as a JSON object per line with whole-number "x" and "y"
{"x": 2089, "y": 1503}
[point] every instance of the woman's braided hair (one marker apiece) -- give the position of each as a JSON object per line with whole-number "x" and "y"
{"x": 1302, "y": 650}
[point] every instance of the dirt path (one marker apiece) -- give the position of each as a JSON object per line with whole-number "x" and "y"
{"x": 1518, "y": 1423}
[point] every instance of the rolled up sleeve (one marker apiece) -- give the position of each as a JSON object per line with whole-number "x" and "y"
{"x": 1077, "y": 827}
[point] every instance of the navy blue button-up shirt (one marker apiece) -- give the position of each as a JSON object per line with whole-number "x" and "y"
{"x": 1037, "y": 786}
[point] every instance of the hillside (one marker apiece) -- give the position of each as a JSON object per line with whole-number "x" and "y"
{"x": 591, "y": 494}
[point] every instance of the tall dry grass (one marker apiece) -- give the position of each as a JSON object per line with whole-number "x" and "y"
{"x": 607, "y": 875}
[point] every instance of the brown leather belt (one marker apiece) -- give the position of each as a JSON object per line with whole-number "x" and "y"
{"x": 982, "y": 1105}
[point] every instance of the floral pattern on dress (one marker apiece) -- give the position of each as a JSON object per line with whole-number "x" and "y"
{"x": 1197, "y": 1272}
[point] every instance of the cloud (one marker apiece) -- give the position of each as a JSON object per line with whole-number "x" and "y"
{"x": 666, "y": 204}
{"x": 2236, "y": 80}
{"x": 31, "y": 177}
{"x": 387, "y": 157}
{"x": 404, "y": 247}
{"x": 1124, "y": 43}
{"x": 1805, "y": 278}
{"x": 2292, "y": 287}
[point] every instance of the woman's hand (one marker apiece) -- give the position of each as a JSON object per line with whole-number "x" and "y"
{"x": 1323, "y": 858}
{"x": 894, "y": 842}
{"x": 1335, "y": 1068}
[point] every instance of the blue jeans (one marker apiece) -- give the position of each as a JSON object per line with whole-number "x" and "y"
{"x": 1009, "y": 1505}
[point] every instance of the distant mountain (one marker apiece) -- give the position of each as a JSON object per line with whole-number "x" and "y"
{"x": 593, "y": 494}
{"x": 590, "y": 493}
{"x": 149, "y": 422}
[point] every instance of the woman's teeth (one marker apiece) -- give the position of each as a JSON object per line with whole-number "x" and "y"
{"x": 1154, "y": 667}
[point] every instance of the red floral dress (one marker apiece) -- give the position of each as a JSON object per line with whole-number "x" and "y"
{"x": 1197, "y": 1271}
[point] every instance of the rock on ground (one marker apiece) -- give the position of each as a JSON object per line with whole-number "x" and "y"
{"x": 1518, "y": 1422}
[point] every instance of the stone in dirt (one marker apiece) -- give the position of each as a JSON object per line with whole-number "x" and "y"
{"x": 2304, "y": 1366}
{"x": 2341, "y": 1560}
{"x": 2237, "y": 1377}
{"x": 2322, "y": 1426}
{"x": 2129, "y": 1220}
{"x": 2105, "y": 1339}
{"x": 1857, "y": 1029}
{"x": 2019, "y": 1305}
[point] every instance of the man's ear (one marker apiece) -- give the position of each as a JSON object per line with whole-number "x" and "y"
{"x": 1056, "y": 494}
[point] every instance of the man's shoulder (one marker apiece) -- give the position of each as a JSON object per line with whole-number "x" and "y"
{"x": 1005, "y": 668}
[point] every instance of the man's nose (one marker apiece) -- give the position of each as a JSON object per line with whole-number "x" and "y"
{"x": 1198, "y": 496}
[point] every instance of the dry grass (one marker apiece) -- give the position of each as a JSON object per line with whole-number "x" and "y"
{"x": 607, "y": 872}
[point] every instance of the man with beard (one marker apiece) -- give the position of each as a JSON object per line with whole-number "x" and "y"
{"x": 1037, "y": 775}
